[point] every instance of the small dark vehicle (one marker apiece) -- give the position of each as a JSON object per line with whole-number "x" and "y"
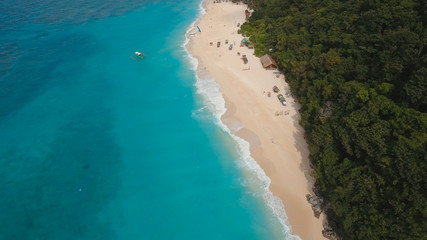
{"x": 245, "y": 59}
{"x": 276, "y": 89}
{"x": 218, "y": 44}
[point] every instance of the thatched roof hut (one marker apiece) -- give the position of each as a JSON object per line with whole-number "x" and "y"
{"x": 268, "y": 62}
{"x": 247, "y": 14}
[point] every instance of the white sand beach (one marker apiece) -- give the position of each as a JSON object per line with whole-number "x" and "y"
{"x": 276, "y": 139}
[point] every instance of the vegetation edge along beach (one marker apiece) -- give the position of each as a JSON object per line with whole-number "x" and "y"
{"x": 359, "y": 71}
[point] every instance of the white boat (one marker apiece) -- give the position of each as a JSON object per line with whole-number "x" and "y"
{"x": 138, "y": 54}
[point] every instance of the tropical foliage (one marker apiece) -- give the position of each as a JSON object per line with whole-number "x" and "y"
{"x": 359, "y": 71}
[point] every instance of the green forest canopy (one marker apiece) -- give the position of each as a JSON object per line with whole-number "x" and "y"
{"x": 359, "y": 70}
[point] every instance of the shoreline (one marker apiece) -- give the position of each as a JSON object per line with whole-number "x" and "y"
{"x": 276, "y": 141}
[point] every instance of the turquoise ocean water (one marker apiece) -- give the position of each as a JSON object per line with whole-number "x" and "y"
{"x": 97, "y": 145}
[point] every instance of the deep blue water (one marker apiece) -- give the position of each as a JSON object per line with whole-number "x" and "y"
{"x": 97, "y": 145}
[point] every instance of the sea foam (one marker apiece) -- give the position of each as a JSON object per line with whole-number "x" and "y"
{"x": 214, "y": 102}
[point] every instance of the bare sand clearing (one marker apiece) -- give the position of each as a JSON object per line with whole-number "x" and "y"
{"x": 276, "y": 139}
